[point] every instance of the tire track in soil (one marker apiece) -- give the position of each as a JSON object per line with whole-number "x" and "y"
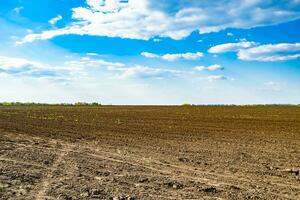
{"x": 184, "y": 168}
{"x": 15, "y": 161}
{"x": 65, "y": 148}
{"x": 43, "y": 187}
{"x": 165, "y": 171}
{"x": 187, "y": 169}
{"x": 185, "y": 173}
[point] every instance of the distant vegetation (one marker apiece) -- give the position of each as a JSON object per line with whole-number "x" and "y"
{"x": 86, "y": 104}
{"x": 99, "y": 104}
{"x": 187, "y": 105}
{"x": 48, "y": 104}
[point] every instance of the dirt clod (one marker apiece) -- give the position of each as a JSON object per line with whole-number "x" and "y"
{"x": 210, "y": 190}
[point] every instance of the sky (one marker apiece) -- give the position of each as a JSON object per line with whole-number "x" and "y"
{"x": 150, "y": 51}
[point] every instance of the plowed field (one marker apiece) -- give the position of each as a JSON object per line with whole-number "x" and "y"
{"x": 148, "y": 152}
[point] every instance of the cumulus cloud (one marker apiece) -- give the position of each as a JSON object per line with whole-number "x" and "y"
{"x": 271, "y": 52}
{"x": 55, "y": 19}
{"x": 144, "y": 19}
{"x": 252, "y": 51}
{"x": 231, "y": 47}
{"x": 173, "y": 57}
{"x": 209, "y": 68}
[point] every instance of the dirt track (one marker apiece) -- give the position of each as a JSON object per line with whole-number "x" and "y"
{"x": 149, "y": 152}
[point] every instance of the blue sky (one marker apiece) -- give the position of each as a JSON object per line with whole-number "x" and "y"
{"x": 150, "y": 52}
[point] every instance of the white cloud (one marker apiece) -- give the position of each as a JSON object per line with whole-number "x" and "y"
{"x": 50, "y": 34}
{"x": 105, "y": 5}
{"x": 157, "y": 40}
{"x": 91, "y": 54}
{"x": 271, "y": 52}
{"x": 252, "y": 51}
{"x": 147, "y": 72}
{"x": 12, "y": 62}
{"x": 143, "y": 19}
{"x": 64, "y": 71}
{"x": 79, "y": 68}
{"x": 216, "y": 77}
{"x": 231, "y": 47}
{"x": 85, "y": 62}
{"x": 229, "y": 34}
{"x": 186, "y": 56}
{"x": 121, "y": 70}
{"x": 55, "y": 19}
{"x": 149, "y": 55}
{"x": 173, "y": 57}
{"x": 209, "y": 68}
{"x": 24, "y": 67}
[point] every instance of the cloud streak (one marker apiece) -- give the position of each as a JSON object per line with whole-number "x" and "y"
{"x": 173, "y": 57}
{"x": 214, "y": 67}
{"x": 24, "y": 67}
{"x": 55, "y": 19}
{"x": 86, "y": 62}
{"x": 140, "y": 71}
{"x": 215, "y": 78}
{"x": 80, "y": 67}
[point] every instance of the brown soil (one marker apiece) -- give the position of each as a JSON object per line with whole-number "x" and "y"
{"x": 140, "y": 152}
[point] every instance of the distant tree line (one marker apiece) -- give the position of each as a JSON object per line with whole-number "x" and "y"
{"x": 99, "y": 104}
{"x": 86, "y": 104}
{"x": 48, "y": 104}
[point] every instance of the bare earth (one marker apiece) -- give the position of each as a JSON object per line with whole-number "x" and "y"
{"x": 144, "y": 152}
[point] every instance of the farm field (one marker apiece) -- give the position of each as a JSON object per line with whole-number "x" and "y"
{"x": 150, "y": 152}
